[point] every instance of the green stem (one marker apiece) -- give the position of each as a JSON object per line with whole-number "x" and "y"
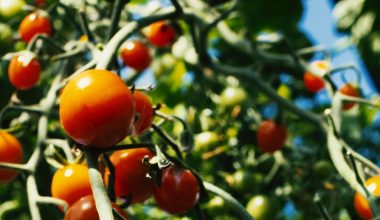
{"x": 115, "y": 18}
{"x": 102, "y": 201}
{"x": 231, "y": 201}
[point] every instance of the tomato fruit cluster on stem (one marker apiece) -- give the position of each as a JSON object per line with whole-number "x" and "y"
{"x": 10, "y": 152}
{"x": 24, "y": 71}
{"x": 85, "y": 208}
{"x": 361, "y": 204}
{"x": 131, "y": 174}
{"x": 71, "y": 183}
{"x": 271, "y": 136}
{"x": 33, "y": 24}
{"x": 96, "y": 108}
{"x": 135, "y": 55}
{"x": 179, "y": 190}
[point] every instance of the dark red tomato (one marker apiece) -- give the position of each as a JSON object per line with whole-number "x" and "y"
{"x": 361, "y": 204}
{"x": 312, "y": 82}
{"x": 135, "y": 55}
{"x": 144, "y": 112}
{"x": 271, "y": 136}
{"x": 71, "y": 183}
{"x": 160, "y": 34}
{"x": 33, "y": 24}
{"x": 24, "y": 71}
{"x": 130, "y": 174}
{"x": 10, "y": 152}
{"x": 348, "y": 89}
{"x": 179, "y": 190}
{"x": 85, "y": 209}
{"x": 96, "y": 108}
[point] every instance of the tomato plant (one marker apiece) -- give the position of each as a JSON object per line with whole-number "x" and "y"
{"x": 33, "y": 24}
{"x": 85, "y": 208}
{"x": 144, "y": 112}
{"x": 24, "y": 71}
{"x": 11, "y": 152}
{"x": 71, "y": 183}
{"x": 135, "y": 55}
{"x": 160, "y": 34}
{"x": 271, "y": 136}
{"x": 349, "y": 90}
{"x": 361, "y": 204}
{"x": 92, "y": 118}
{"x": 261, "y": 207}
{"x": 131, "y": 174}
{"x": 179, "y": 190}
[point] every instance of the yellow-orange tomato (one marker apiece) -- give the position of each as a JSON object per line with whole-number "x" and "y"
{"x": 71, "y": 183}
{"x": 24, "y": 71}
{"x": 33, "y": 24}
{"x": 361, "y": 204}
{"x": 96, "y": 108}
{"x": 144, "y": 113}
{"x": 10, "y": 152}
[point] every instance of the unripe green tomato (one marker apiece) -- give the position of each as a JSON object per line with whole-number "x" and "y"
{"x": 232, "y": 96}
{"x": 11, "y": 8}
{"x": 5, "y": 33}
{"x": 323, "y": 168}
{"x": 19, "y": 46}
{"x": 216, "y": 205}
{"x": 206, "y": 140}
{"x": 261, "y": 207}
{"x": 245, "y": 181}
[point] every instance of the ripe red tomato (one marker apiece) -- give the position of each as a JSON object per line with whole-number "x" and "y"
{"x": 71, "y": 183}
{"x": 144, "y": 112}
{"x": 271, "y": 136}
{"x": 10, "y": 152}
{"x": 136, "y": 55}
{"x": 160, "y": 34}
{"x": 85, "y": 209}
{"x": 130, "y": 174}
{"x": 179, "y": 191}
{"x": 96, "y": 108}
{"x": 24, "y": 71}
{"x": 361, "y": 204}
{"x": 312, "y": 82}
{"x": 348, "y": 89}
{"x": 33, "y": 24}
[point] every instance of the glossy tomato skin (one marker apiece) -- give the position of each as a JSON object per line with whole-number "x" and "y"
{"x": 348, "y": 89}
{"x": 144, "y": 113}
{"x": 271, "y": 136}
{"x": 71, "y": 183}
{"x": 10, "y": 152}
{"x": 85, "y": 209}
{"x": 96, "y": 108}
{"x": 33, "y": 24}
{"x": 24, "y": 71}
{"x": 160, "y": 34}
{"x": 135, "y": 55}
{"x": 179, "y": 191}
{"x": 130, "y": 174}
{"x": 361, "y": 204}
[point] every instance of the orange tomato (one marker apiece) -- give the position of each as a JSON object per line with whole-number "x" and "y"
{"x": 71, "y": 183}
{"x": 160, "y": 34}
{"x": 33, "y": 24}
{"x": 144, "y": 112}
{"x": 24, "y": 71}
{"x": 10, "y": 152}
{"x": 361, "y": 204}
{"x": 96, "y": 108}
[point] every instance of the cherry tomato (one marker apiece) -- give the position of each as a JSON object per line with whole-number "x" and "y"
{"x": 179, "y": 191}
{"x": 135, "y": 55}
{"x": 96, "y": 108}
{"x": 144, "y": 112}
{"x": 71, "y": 183}
{"x": 11, "y": 8}
{"x": 130, "y": 174}
{"x": 361, "y": 204}
{"x": 10, "y": 152}
{"x": 348, "y": 89}
{"x": 271, "y": 136}
{"x": 312, "y": 82}
{"x": 160, "y": 34}
{"x": 85, "y": 209}
{"x": 261, "y": 207}
{"x": 24, "y": 71}
{"x": 33, "y": 24}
